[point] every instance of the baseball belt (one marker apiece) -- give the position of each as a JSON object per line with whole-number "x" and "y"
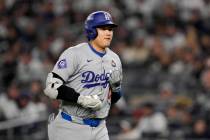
{"x": 93, "y": 122}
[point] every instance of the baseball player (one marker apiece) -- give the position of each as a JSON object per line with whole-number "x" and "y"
{"x": 87, "y": 79}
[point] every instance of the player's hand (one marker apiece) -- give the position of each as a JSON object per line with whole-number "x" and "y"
{"x": 90, "y": 101}
{"x": 115, "y": 80}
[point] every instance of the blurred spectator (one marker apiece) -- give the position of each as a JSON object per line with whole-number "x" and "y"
{"x": 36, "y": 94}
{"x": 179, "y": 121}
{"x": 202, "y": 98}
{"x": 199, "y": 130}
{"x": 151, "y": 124}
{"x": 205, "y": 45}
{"x": 28, "y": 108}
{"x": 8, "y": 103}
{"x": 8, "y": 69}
{"x": 137, "y": 53}
{"x": 166, "y": 96}
{"x": 205, "y": 10}
{"x": 29, "y": 69}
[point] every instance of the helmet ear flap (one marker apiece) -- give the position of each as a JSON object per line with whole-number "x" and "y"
{"x": 91, "y": 34}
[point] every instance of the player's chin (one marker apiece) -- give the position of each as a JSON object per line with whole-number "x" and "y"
{"x": 107, "y": 43}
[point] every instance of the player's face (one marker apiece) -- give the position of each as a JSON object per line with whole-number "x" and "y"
{"x": 103, "y": 38}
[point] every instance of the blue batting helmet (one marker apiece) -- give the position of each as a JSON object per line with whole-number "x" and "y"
{"x": 97, "y": 19}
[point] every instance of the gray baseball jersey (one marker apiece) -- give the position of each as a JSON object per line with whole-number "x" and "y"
{"x": 87, "y": 72}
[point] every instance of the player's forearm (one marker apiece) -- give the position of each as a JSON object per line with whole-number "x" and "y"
{"x": 67, "y": 94}
{"x": 115, "y": 97}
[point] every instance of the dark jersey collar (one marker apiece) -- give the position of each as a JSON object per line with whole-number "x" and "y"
{"x": 101, "y": 54}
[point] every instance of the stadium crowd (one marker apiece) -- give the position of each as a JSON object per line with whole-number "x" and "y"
{"x": 164, "y": 46}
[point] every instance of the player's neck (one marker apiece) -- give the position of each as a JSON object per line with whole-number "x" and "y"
{"x": 97, "y": 47}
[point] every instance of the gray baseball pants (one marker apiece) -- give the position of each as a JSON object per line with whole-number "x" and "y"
{"x": 61, "y": 129}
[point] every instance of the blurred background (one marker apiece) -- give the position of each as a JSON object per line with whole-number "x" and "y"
{"x": 164, "y": 46}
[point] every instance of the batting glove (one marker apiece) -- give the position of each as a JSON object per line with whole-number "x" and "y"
{"x": 90, "y": 101}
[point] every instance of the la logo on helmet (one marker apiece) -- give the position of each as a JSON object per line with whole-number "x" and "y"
{"x": 107, "y": 16}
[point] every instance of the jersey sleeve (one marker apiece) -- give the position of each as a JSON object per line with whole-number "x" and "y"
{"x": 120, "y": 67}
{"x": 66, "y": 64}
{"x": 116, "y": 95}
